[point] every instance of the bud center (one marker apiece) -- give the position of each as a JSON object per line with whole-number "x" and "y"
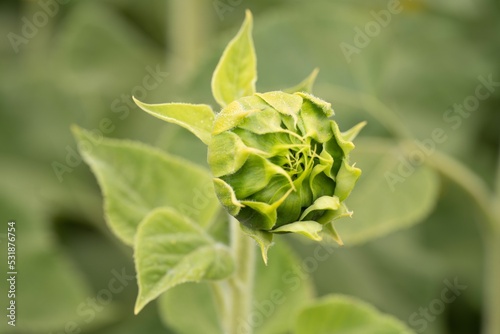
{"x": 298, "y": 160}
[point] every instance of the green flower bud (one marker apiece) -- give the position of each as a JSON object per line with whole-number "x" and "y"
{"x": 281, "y": 165}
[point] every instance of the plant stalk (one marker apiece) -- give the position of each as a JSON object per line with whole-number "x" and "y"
{"x": 243, "y": 280}
{"x": 487, "y": 201}
{"x": 471, "y": 183}
{"x": 188, "y": 29}
{"x": 489, "y": 204}
{"x": 491, "y": 323}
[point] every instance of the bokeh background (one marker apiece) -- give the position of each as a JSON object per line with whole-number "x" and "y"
{"x": 81, "y": 61}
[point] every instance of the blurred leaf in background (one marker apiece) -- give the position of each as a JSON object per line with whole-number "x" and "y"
{"x": 83, "y": 63}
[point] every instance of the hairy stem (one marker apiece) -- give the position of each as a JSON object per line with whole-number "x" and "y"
{"x": 188, "y": 29}
{"x": 221, "y": 294}
{"x": 470, "y": 182}
{"x": 489, "y": 204}
{"x": 241, "y": 283}
{"x": 233, "y": 296}
{"x": 491, "y": 322}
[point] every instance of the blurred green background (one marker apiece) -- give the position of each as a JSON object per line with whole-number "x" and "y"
{"x": 80, "y": 62}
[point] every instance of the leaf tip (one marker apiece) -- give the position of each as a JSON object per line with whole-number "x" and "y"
{"x": 314, "y": 74}
{"x": 238, "y": 57}
{"x": 76, "y": 130}
{"x": 139, "y": 305}
{"x": 248, "y": 16}
{"x": 139, "y": 103}
{"x": 80, "y": 134}
{"x": 264, "y": 249}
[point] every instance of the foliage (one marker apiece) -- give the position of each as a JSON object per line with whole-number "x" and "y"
{"x": 428, "y": 58}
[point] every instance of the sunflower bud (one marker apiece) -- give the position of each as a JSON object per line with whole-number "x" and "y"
{"x": 281, "y": 165}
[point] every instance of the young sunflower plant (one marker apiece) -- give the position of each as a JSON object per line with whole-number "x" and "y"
{"x": 278, "y": 164}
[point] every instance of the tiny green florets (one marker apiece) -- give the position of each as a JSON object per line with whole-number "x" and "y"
{"x": 280, "y": 164}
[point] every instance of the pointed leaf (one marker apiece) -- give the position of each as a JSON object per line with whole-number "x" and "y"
{"x": 353, "y": 132}
{"x": 236, "y": 72}
{"x": 347, "y": 177}
{"x": 136, "y": 179}
{"x": 331, "y": 232}
{"x": 170, "y": 249}
{"x": 310, "y": 229}
{"x": 306, "y": 85}
{"x": 264, "y": 239}
{"x": 197, "y": 118}
{"x": 339, "y": 314}
{"x": 323, "y": 203}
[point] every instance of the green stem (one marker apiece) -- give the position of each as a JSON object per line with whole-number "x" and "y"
{"x": 188, "y": 29}
{"x": 234, "y": 295}
{"x": 242, "y": 282}
{"x": 497, "y": 186}
{"x": 470, "y": 182}
{"x": 488, "y": 202}
{"x": 491, "y": 323}
{"x": 221, "y": 294}
{"x": 489, "y": 205}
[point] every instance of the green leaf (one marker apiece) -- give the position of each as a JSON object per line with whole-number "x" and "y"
{"x": 136, "y": 179}
{"x": 287, "y": 104}
{"x": 197, "y": 118}
{"x": 170, "y": 249}
{"x": 347, "y": 177}
{"x": 227, "y": 197}
{"x": 353, "y": 132}
{"x": 339, "y": 314}
{"x": 391, "y": 195}
{"x": 39, "y": 254}
{"x": 323, "y": 203}
{"x": 263, "y": 238}
{"x": 180, "y": 305}
{"x": 310, "y": 229}
{"x": 325, "y": 107}
{"x": 305, "y": 85}
{"x": 226, "y": 154}
{"x": 281, "y": 291}
{"x": 236, "y": 72}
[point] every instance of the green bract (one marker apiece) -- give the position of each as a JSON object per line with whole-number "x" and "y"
{"x": 280, "y": 164}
